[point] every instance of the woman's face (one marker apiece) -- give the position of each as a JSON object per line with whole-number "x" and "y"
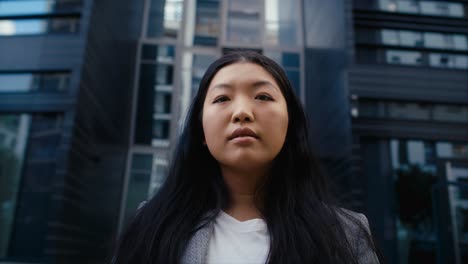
{"x": 245, "y": 117}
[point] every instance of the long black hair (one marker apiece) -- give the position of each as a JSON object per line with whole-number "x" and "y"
{"x": 302, "y": 216}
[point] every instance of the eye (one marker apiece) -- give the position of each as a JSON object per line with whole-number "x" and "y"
{"x": 220, "y": 99}
{"x": 264, "y": 97}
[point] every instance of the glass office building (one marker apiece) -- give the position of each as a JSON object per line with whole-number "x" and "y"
{"x": 93, "y": 95}
{"x": 64, "y": 117}
{"x": 410, "y": 125}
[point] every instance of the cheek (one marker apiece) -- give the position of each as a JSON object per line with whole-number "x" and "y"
{"x": 212, "y": 124}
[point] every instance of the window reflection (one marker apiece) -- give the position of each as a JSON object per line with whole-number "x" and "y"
{"x": 28, "y": 151}
{"x": 243, "y": 21}
{"x": 430, "y": 8}
{"x": 147, "y": 174}
{"x": 27, "y": 82}
{"x": 155, "y": 94}
{"x": 38, "y": 26}
{"x": 403, "y": 57}
{"x": 408, "y": 111}
{"x": 290, "y": 62}
{"x": 448, "y": 61}
{"x": 413, "y": 111}
{"x": 165, "y": 18}
{"x": 281, "y": 22}
{"x": 414, "y": 176}
{"x": 207, "y": 23}
{"x": 13, "y": 137}
{"x": 37, "y": 7}
{"x": 433, "y": 40}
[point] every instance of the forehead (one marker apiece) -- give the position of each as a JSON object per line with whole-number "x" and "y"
{"x": 241, "y": 73}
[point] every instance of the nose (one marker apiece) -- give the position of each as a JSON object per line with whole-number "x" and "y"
{"x": 242, "y": 112}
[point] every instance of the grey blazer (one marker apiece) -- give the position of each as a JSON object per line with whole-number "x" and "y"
{"x": 197, "y": 248}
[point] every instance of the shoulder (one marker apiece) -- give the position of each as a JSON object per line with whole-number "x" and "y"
{"x": 358, "y": 234}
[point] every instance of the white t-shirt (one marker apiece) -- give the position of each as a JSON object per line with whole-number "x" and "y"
{"x": 234, "y": 241}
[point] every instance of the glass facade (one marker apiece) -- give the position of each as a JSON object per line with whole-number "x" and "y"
{"x": 282, "y": 23}
{"x": 422, "y": 196}
{"x": 28, "y": 148}
{"x": 455, "y": 113}
{"x": 164, "y": 18}
{"x": 14, "y": 131}
{"x": 9, "y": 27}
{"x": 32, "y": 17}
{"x": 38, "y": 7}
{"x": 403, "y": 57}
{"x": 426, "y": 8}
{"x": 147, "y": 174}
{"x": 155, "y": 94}
{"x": 244, "y": 22}
{"x": 432, "y": 40}
{"x": 207, "y": 25}
{"x": 19, "y": 82}
{"x": 406, "y": 41}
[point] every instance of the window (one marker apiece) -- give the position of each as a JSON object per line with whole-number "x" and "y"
{"x": 433, "y": 40}
{"x": 448, "y": 61}
{"x": 161, "y": 129}
{"x": 452, "y": 150}
{"x": 155, "y": 94}
{"x": 38, "y": 7}
{"x": 403, "y": 57}
{"x": 34, "y": 82}
{"x": 436, "y": 8}
{"x": 164, "y": 18}
{"x": 243, "y": 22}
{"x": 408, "y": 111}
{"x": 373, "y": 109}
{"x": 410, "y": 7}
{"x": 390, "y": 37}
{"x": 436, "y": 40}
{"x": 290, "y": 62}
{"x": 10, "y": 27}
{"x": 410, "y": 38}
{"x": 460, "y": 42}
{"x": 451, "y": 113}
{"x": 147, "y": 173}
{"x": 30, "y": 17}
{"x": 282, "y": 22}
{"x": 207, "y": 23}
{"x": 413, "y": 111}
{"x": 163, "y": 102}
{"x": 429, "y": 8}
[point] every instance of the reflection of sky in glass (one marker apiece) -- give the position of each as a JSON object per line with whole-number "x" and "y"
{"x": 25, "y": 7}
{"x": 272, "y": 14}
{"x": 172, "y": 14}
{"x": 22, "y": 27}
{"x": 20, "y": 82}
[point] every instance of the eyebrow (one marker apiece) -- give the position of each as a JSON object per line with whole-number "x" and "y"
{"x": 255, "y": 85}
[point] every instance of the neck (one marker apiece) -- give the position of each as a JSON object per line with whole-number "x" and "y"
{"x": 243, "y": 187}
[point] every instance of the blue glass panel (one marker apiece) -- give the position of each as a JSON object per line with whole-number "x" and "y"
{"x": 291, "y": 60}
{"x": 37, "y": 7}
{"x": 11, "y": 27}
{"x": 295, "y": 79}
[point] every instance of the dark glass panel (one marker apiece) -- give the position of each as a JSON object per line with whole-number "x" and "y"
{"x": 161, "y": 129}
{"x": 41, "y": 82}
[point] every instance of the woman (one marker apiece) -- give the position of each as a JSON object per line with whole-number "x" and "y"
{"x": 243, "y": 186}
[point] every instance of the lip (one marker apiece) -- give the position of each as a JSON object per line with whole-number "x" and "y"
{"x": 243, "y": 132}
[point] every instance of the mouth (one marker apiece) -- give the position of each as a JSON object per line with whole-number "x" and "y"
{"x": 243, "y": 132}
